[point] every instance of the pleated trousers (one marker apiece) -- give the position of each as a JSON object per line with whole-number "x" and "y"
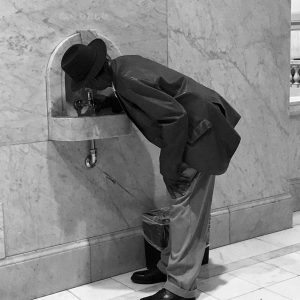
{"x": 188, "y": 233}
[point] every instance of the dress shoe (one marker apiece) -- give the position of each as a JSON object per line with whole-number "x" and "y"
{"x": 148, "y": 276}
{"x": 165, "y": 295}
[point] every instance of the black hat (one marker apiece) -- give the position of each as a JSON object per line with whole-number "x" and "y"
{"x": 84, "y": 62}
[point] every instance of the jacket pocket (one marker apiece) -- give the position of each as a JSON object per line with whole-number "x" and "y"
{"x": 202, "y": 127}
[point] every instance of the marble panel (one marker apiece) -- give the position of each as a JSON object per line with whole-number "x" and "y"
{"x": 65, "y": 295}
{"x": 239, "y": 251}
{"x": 294, "y": 159}
{"x": 45, "y": 275}
{"x": 219, "y": 229}
{"x": 52, "y": 198}
{"x": 117, "y": 256}
{"x": 262, "y": 274}
{"x": 296, "y": 218}
{"x": 88, "y": 128}
{"x": 104, "y": 290}
{"x": 226, "y": 286}
{"x": 2, "y": 240}
{"x": 279, "y": 252}
{"x": 295, "y": 190}
{"x": 289, "y": 262}
{"x": 283, "y": 257}
{"x": 282, "y": 238}
{"x": 261, "y": 294}
{"x": 233, "y": 50}
{"x": 31, "y": 31}
{"x": 257, "y": 220}
{"x": 211, "y": 270}
{"x": 288, "y": 288}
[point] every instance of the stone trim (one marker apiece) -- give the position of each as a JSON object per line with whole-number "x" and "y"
{"x": 103, "y": 256}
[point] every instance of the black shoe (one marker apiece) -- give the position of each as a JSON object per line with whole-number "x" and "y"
{"x": 165, "y": 295}
{"x": 148, "y": 276}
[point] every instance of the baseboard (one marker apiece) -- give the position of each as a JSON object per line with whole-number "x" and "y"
{"x": 43, "y": 272}
{"x": 295, "y": 191}
{"x": 38, "y": 273}
{"x": 251, "y": 219}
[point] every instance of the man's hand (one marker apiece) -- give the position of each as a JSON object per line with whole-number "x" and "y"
{"x": 179, "y": 187}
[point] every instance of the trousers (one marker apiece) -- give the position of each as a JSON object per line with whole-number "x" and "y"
{"x": 188, "y": 229}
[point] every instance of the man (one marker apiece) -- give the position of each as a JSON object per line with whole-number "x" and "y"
{"x": 194, "y": 128}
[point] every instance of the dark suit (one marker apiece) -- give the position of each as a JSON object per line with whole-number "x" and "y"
{"x": 191, "y": 124}
{"x": 187, "y": 120}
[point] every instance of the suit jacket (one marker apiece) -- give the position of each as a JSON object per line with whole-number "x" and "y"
{"x": 188, "y": 121}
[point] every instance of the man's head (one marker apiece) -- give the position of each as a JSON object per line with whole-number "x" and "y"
{"x": 87, "y": 65}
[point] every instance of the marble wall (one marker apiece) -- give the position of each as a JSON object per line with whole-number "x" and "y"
{"x": 51, "y": 202}
{"x": 294, "y": 145}
{"x": 234, "y": 60}
{"x": 49, "y": 196}
{"x": 233, "y": 47}
{"x": 295, "y": 6}
{"x": 294, "y": 160}
{"x": 31, "y": 30}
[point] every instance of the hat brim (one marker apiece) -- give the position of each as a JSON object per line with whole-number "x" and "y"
{"x": 101, "y": 52}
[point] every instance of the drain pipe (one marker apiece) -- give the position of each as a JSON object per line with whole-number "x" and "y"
{"x": 91, "y": 159}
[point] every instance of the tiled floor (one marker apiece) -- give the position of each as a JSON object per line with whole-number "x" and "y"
{"x": 262, "y": 268}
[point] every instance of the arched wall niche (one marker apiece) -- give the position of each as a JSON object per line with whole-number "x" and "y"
{"x": 63, "y": 122}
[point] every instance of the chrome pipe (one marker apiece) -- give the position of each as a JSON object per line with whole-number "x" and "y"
{"x": 91, "y": 159}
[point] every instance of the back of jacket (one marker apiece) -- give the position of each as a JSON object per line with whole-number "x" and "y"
{"x": 187, "y": 120}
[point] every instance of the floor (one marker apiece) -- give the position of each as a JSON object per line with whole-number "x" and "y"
{"x": 262, "y": 268}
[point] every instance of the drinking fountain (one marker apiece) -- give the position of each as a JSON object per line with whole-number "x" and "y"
{"x": 66, "y": 119}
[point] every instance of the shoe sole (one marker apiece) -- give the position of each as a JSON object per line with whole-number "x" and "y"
{"x": 141, "y": 281}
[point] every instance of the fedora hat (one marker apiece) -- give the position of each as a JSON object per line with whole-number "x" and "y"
{"x": 83, "y": 62}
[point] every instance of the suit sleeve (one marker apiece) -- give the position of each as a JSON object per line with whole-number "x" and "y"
{"x": 171, "y": 118}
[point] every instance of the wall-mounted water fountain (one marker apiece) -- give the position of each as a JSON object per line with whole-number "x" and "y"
{"x": 64, "y": 122}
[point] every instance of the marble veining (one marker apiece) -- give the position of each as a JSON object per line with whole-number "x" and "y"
{"x": 31, "y": 31}
{"x": 66, "y": 201}
{"x": 233, "y": 50}
{"x": 49, "y": 198}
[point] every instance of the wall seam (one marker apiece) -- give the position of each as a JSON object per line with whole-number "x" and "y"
{"x": 167, "y": 22}
{"x": 4, "y": 231}
{"x": 229, "y": 224}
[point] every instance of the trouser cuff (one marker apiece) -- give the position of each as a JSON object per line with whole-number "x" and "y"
{"x": 161, "y": 267}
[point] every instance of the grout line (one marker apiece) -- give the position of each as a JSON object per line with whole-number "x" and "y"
{"x": 25, "y": 143}
{"x": 279, "y": 283}
{"x": 250, "y": 261}
{"x": 236, "y": 297}
{"x": 69, "y": 246}
{"x": 90, "y": 266}
{"x": 275, "y": 267}
{"x": 123, "y": 283}
{"x": 73, "y": 295}
{"x": 260, "y": 238}
{"x": 285, "y": 297}
{"x": 229, "y": 224}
